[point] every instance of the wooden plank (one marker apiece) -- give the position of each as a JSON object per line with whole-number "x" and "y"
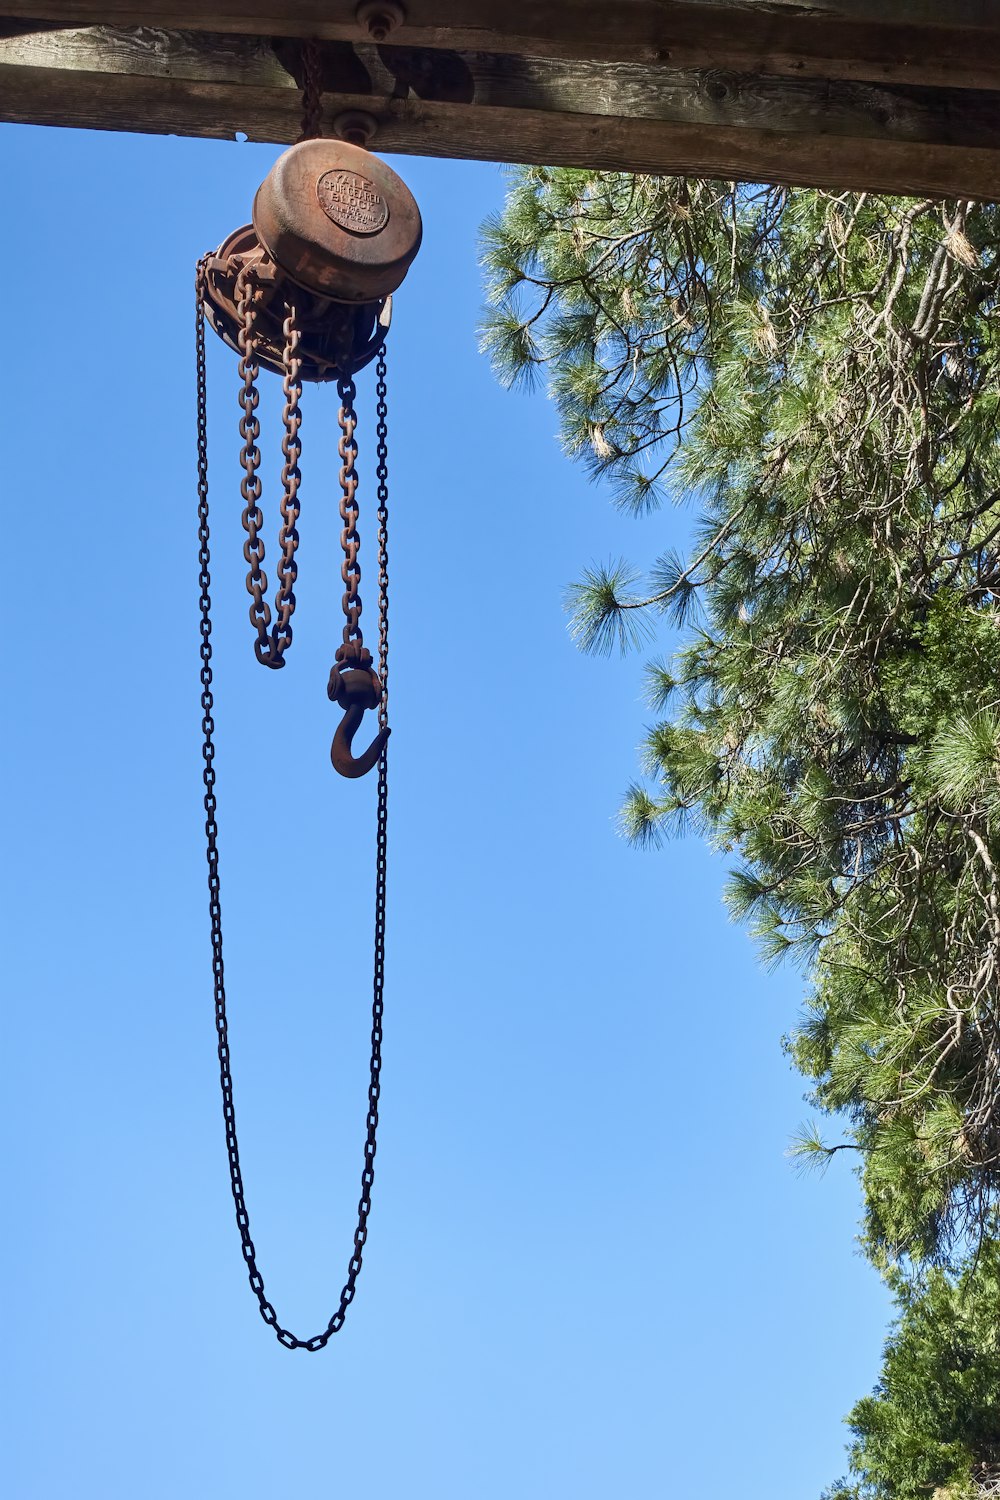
{"x": 955, "y": 43}
{"x": 520, "y": 110}
{"x": 920, "y": 12}
{"x": 270, "y": 17}
{"x": 414, "y": 128}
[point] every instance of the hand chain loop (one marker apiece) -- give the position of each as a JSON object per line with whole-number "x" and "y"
{"x": 382, "y": 514}
{"x": 285, "y": 1337}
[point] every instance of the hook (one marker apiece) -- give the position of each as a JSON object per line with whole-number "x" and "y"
{"x": 355, "y": 684}
{"x": 340, "y": 751}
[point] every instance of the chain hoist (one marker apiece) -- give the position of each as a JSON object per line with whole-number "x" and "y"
{"x": 305, "y": 291}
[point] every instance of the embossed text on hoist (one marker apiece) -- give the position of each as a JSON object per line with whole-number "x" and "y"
{"x": 352, "y": 201}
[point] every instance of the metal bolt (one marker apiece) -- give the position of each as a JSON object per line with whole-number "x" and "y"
{"x": 379, "y": 18}
{"x": 355, "y": 126}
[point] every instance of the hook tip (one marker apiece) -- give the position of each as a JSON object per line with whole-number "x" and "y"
{"x": 344, "y": 761}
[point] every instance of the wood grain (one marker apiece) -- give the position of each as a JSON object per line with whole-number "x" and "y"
{"x": 953, "y": 43}
{"x": 627, "y": 116}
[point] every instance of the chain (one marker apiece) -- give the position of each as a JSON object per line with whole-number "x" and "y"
{"x": 247, "y": 294}
{"x": 270, "y": 645}
{"x": 350, "y": 568}
{"x": 312, "y": 91}
{"x": 382, "y": 477}
{"x": 291, "y": 448}
{"x": 381, "y": 841}
{"x": 267, "y": 1312}
{"x": 382, "y": 816}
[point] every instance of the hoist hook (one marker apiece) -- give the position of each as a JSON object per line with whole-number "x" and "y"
{"x": 340, "y": 751}
{"x": 355, "y": 684}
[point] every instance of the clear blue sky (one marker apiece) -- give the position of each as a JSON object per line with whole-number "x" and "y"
{"x": 591, "y": 1271}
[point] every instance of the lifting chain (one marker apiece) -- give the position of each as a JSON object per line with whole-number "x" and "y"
{"x": 291, "y": 449}
{"x": 251, "y": 494}
{"x": 271, "y": 644}
{"x": 247, "y": 294}
{"x": 354, "y": 683}
{"x": 350, "y": 568}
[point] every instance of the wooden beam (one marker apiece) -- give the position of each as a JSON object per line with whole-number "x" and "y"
{"x": 477, "y": 105}
{"x": 953, "y": 43}
{"x": 303, "y": 17}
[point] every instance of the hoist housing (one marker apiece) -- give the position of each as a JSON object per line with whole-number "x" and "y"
{"x": 334, "y": 233}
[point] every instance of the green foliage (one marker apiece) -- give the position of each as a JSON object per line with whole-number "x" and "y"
{"x": 603, "y": 615}
{"x": 818, "y": 375}
{"x": 932, "y": 1425}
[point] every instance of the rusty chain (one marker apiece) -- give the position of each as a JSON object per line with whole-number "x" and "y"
{"x": 291, "y": 477}
{"x": 285, "y": 1337}
{"x": 247, "y": 297}
{"x": 312, "y": 91}
{"x": 271, "y": 644}
{"x": 350, "y": 568}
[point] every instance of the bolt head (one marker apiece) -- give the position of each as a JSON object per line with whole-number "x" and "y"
{"x": 379, "y": 18}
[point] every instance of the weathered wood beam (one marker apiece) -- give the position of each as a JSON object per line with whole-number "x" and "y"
{"x": 479, "y": 105}
{"x": 939, "y": 42}
{"x": 566, "y": 16}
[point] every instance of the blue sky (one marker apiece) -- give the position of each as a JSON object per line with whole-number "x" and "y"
{"x": 591, "y": 1271}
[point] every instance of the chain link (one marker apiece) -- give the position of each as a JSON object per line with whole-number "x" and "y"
{"x": 381, "y": 842}
{"x": 247, "y": 297}
{"x": 271, "y": 644}
{"x": 382, "y": 816}
{"x": 312, "y": 91}
{"x": 350, "y": 541}
{"x": 291, "y": 477}
{"x": 382, "y": 514}
{"x": 267, "y": 1312}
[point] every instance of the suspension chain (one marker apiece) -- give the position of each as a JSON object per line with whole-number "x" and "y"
{"x": 312, "y": 91}
{"x": 350, "y": 568}
{"x": 267, "y": 1312}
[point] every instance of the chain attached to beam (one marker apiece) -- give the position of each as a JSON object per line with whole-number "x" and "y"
{"x": 306, "y": 291}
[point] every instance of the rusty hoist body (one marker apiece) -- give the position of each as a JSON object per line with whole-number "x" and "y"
{"x": 305, "y": 291}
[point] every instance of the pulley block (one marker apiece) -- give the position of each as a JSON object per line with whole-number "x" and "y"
{"x": 305, "y": 290}
{"x": 334, "y": 232}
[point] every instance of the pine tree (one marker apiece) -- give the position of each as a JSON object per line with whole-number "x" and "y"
{"x": 932, "y": 1424}
{"x": 817, "y": 375}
